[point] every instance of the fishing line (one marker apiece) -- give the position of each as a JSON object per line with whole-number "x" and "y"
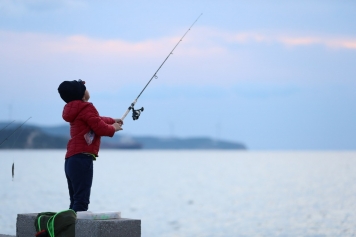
{"x": 13, "y": 163}
{"x": 136, "y": 113}
{"x": 14, "y": 132}
{"x": 7, "y": 125}
{"x": 13, "y": 158}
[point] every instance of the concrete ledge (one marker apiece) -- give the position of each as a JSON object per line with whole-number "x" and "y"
{"x": 25, "y": 226}
{"x": 108, "y": 228}
{"x": 85, "y": 228}
{"x": 7, "y": 235}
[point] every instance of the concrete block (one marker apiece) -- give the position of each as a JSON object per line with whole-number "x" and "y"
{"x": 108, "y": 228}
{"x": 25, "y": 226}
{"x": 85, "y": 228}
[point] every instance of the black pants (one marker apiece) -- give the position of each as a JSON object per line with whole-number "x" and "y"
{"x": 79, "y": 173}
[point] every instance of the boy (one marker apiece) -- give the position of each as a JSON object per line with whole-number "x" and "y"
{"x": 86, "y": 128}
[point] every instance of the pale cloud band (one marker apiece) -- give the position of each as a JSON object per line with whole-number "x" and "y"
{"x": 203, "y": 42}
{"x": 289, "y": 40}
{"x": 205, "y": 54}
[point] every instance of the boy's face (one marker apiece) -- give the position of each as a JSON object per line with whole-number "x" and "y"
{"x": 86, "y": 96}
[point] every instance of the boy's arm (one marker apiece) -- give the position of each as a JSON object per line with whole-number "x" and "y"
{"x": 101, "y": 126}
{"x": 108, "y": 120}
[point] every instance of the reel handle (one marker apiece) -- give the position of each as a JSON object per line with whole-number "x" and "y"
{"x": 128, "y": 110}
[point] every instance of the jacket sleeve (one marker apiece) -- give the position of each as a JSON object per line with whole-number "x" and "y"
{"x": 108, "y": 120}
{"x": 97, "y": 123}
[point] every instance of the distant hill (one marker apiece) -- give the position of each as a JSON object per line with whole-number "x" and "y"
{"x": 35, "y": 137}
{"x": 187, "y": 143}
{"x": 30, "y": 138}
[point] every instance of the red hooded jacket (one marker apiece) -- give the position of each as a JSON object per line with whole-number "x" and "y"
{"x": 85, "y": 120}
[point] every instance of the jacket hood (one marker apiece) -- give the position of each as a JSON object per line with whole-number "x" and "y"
{"x": 72, "y": 109}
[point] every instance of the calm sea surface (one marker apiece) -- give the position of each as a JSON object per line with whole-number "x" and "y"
{"x": 196, "y": 193}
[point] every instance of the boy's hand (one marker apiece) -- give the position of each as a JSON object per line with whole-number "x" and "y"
{"x": 117, "y": 127}
{"x": 119, "y": 121}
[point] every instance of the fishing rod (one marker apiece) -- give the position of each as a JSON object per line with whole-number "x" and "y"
{"x": 14, "y": 131}
{"x": 137, "y": 112}
{"x": 7, "y": 125}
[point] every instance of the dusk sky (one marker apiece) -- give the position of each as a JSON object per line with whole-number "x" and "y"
{"x": 273, "y": 75}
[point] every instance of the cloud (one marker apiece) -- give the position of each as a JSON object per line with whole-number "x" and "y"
{"x": 47, "y": 59}
{"x": 206, "y": 56}
{"x": 329, "y": 42}
{"x": 203, "y": 43}
{"x": 286, "y": 39}
{"x": 296, "y": 41}
{"x": 293, "y": 40}
{"x": 84, "y": 45}
{"x": 338, "y": 43}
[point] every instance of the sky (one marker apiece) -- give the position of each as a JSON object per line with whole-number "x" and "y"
{"x": 274, "y": 75}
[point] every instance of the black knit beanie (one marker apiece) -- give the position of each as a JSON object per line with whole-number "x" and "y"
{"x": 71, "y": 90}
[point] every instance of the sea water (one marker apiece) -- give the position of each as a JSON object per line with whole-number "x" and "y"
{"x": 195, "y": 193}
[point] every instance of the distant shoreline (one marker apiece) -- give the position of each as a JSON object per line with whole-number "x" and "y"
{"x": 36, "y": 137}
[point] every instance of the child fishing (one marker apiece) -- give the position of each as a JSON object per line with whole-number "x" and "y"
{"x": 86, "y": 128}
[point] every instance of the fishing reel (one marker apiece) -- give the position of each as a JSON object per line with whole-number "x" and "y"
{"x": 136, "y": 112}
